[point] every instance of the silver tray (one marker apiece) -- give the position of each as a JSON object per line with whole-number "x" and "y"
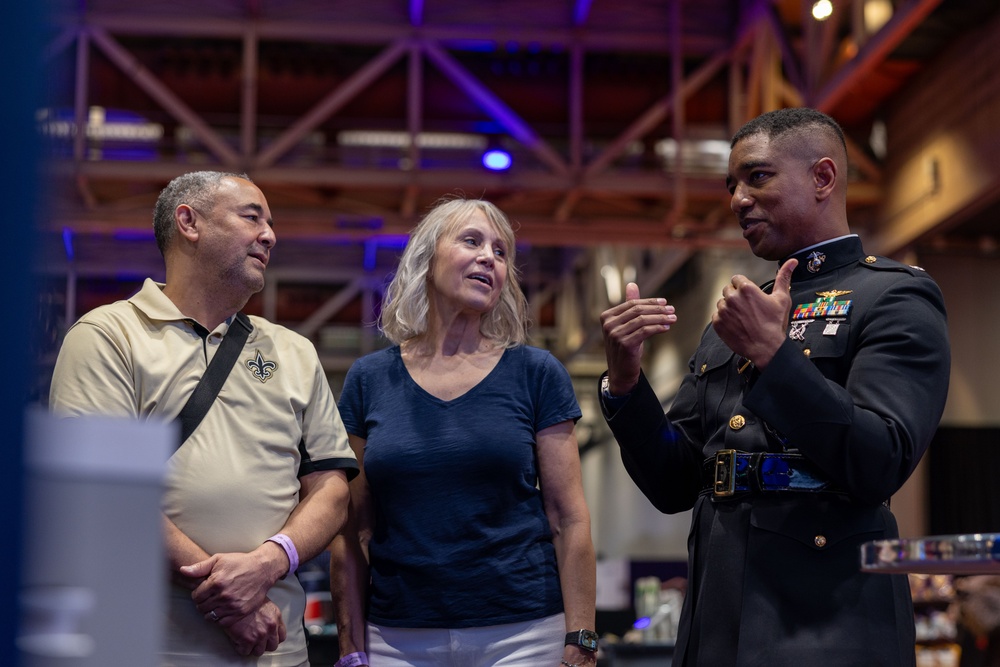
{"x": 976, "y": 553}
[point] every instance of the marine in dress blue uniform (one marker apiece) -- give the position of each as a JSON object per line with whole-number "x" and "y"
{"x": 790, "y": 469}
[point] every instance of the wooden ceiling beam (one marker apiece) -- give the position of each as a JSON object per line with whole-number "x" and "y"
{"x": 190, "y": 26}
{"x": 333, "y": 101}
{"x": 248, "y": 97}
{"x": 906, "y": 18}
{"x": 166, "y": 98}
{"x": 497, "y": 109}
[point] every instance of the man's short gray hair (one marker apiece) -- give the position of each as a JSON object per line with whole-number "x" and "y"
{"x": 196, "y": 189}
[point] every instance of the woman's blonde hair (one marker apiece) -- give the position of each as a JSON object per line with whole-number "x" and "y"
{"x": 405, "y": 304}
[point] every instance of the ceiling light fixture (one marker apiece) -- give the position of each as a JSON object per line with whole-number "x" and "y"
{"x": 495, "y": 158}
{"x": 822, "y": 10}
{"x": 877, "y": 14}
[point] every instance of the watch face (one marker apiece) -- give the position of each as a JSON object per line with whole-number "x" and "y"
{"x": 585, "y": 639}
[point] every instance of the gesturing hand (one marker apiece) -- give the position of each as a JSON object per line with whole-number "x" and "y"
{"x": 625, "y": 327}
{"x": 751, "y": 322}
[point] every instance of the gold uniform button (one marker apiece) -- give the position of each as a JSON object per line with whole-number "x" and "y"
{"x": 807, "y": 351}
{"x": 703, "y": 367}
{"x": 870, "y": 259}
{"x": 820, "y": 541}
{"x": 737, "y": 422}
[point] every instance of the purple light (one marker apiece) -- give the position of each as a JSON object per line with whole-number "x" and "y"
{"x": 416, "y": 12}
{"x": 496, "y": 159}
{"x": 67, "y": 237}
{"x": 641, "y": 623}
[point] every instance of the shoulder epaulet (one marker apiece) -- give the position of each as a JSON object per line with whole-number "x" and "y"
{"x": 886, "y": 264}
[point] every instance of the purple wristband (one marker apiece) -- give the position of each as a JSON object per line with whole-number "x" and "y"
{"x": 286, "y": 543}
{"x": 352, "y": 660}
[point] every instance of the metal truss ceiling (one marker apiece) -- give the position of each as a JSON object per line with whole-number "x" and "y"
{"x": 605, "y": 106}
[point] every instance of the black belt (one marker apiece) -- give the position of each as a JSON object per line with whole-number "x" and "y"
{"x": 730, "y": 472}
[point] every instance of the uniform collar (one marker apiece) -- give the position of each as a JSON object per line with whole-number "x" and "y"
{"x": 826, "y": 257}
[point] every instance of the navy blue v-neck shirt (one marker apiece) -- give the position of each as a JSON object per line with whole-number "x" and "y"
{"x": 460, "y": 533}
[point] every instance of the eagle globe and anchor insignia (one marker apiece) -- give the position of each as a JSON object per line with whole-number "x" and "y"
{"x": 261, "y": 369}
{"x": 815, "y": 262}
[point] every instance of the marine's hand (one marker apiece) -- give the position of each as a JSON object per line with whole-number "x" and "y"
{"x": 259, "y": 631}
{"x": 751, "y": 322}
{"x": 625, "y": 327}
{"x": 235, "y": 584}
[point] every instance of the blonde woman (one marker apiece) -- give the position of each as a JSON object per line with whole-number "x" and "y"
{"x": 469, "y": 539}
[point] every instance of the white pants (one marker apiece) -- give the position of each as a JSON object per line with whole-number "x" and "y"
{"x": 536, "y": 643}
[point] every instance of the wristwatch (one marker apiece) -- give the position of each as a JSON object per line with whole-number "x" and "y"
{"x": 612, "y": 402}
{"x": 585, "y": 639}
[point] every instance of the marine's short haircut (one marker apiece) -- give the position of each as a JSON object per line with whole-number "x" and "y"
{"x": 773, "y": 124}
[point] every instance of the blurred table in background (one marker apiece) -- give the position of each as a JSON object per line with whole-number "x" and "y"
{"x": 975, "y": 553}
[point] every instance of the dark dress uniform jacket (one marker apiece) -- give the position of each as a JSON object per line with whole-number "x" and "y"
{"x": 858, "y": 390}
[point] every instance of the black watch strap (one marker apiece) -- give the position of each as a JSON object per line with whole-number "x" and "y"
{"x": 585, "y": 639}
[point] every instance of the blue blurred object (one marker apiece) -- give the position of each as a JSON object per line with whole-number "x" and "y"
{"x": 497, "y": 159}
{"x": 21, "y": 82}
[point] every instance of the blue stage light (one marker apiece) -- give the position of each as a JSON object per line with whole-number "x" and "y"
{"x": 496, "y": 159}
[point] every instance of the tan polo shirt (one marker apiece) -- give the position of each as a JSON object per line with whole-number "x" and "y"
{"x": 234, "y": 483}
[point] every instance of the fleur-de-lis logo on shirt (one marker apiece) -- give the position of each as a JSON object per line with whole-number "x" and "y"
{"x": 262, "y": 370}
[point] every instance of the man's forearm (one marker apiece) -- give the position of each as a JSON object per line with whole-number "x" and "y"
{"x": 180, "y": 549}
{"x": 320, "y": 514}
{"x": 234, "y": 584}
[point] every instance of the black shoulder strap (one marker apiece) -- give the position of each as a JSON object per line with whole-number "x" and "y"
{"x": 215, "y": 376}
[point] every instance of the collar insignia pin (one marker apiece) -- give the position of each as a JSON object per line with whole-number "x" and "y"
{"x": 815, "y": 262}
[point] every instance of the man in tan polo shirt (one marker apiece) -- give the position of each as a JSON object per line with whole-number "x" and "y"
{"x": 262, "y": 483}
